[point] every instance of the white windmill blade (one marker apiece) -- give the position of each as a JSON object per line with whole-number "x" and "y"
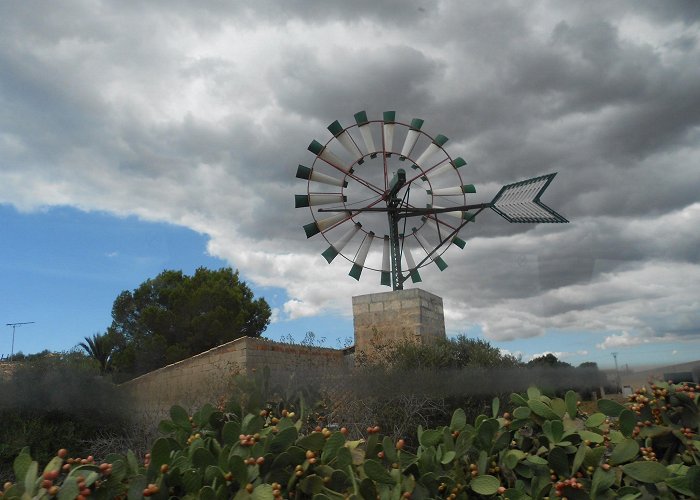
{"x": 386, "y": 262}
{"x": 346, "y": 141}
{"x": 337, "y": 246}
{"x": 388, "y": 127}
{"x": 366, "y": 132}
{"x": 411, "y": 138}
{"x": 430, "y": 151}
{"x": 313, "y": 228}
{"x": 412, "y": 269}
{"x": 452, "y": 191}
{"x": 311, "y": 175}
{"x": 520, "y": 201}
{"x": 359, "y": 261}
{"x": 328, "y": 156}
{"x": 315, "y": 199}
{"x": 443, "y": 169}
{"x": 456, "y": 240}
{"x": 442, "y": 265}
{"x": 460, "y": 214}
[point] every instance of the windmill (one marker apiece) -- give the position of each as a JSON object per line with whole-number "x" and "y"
{"x": 371, "y": 178}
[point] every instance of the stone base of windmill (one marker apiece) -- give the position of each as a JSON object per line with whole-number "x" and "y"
{"x": 381, "y": 319}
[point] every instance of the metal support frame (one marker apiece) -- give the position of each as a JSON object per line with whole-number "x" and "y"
{"x": 393, "y": 203}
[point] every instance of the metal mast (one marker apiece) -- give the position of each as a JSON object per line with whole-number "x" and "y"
{"x": 393, "y": 203}
{"x": 15, "y": 325}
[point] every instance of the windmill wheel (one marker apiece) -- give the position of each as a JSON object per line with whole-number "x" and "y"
{"x": 380, "y": 192}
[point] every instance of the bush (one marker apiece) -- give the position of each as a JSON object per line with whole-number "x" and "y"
{"x": 55, "y": 401}
{"x": 405, "y": 384}
{"x": 539, "y": 447}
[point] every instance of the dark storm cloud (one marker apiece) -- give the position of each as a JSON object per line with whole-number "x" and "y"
{"x": 215, "y": 13}
{"x": 373, "y": 80}
{"x": 684, "y": 11}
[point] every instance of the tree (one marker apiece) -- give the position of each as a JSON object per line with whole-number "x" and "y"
{"x": 100, "y": 347}
{"x": 549, "y": 360}
{"x": 589, "y": 364}
{"x": 174, "y": 316}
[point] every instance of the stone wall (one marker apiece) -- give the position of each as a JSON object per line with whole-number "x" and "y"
{"x": 207, "y": 376}
{"x": 397, "y": 315}
{"x": 414, "y": 314}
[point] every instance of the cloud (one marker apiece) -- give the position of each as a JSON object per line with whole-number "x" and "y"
{"x": 199, "y": 117}
{"x": 624, "y": 339}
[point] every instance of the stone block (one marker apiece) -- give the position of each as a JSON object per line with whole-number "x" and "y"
{"x": 410, "y": 304}
{"x": 375, "y": 307}
{"x": 361, "y": 299}
{"x": 360, "y": 308}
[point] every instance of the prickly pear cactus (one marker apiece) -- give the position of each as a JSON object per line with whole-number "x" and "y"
{"x": 538, "y": 447}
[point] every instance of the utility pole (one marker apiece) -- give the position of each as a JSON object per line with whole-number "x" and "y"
{"x": 617, "y": 373}
{"x": 15, "y": 325}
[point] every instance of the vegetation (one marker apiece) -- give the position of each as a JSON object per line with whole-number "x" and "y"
{"x": 403, "y": 385}
{"x": 447, "y": 354}
{"x": 532, "y": 446}
{"x": 100, "y": 348}
{"x": 55, "y": 401}
{"x": 174, "y": 316}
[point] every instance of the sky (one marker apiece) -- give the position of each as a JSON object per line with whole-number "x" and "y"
{"x": 141, "y": 137}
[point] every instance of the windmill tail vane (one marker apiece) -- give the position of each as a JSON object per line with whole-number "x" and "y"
{"x": 520, "y": 202}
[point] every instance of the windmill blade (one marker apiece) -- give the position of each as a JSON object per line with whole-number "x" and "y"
{"x": 452, "y": 191}
{"x": 412, "y": 269}
{"x": 314, "y": 199}
{"x": 363, "y": 126}
{"x": 311, "y": 175}
{"x": 520, "y": 201}
{"x": 442, "y": 265}
{"x": 460, "y": 214}
{"x": 430, "y": 151}
{"x": 313, "y": 228}
{"x": 361, "y": 256}
{"x": 441, "y": 233}
{"x": 388, "y": 131}
{"x": 336, "y": 247}
{"x": 411, "y": 138}
{"x": 328, "y": 156}
{"x": 386, "y": 262}
{"x": 443, "y": 169}
{"x": 345, "y": 140}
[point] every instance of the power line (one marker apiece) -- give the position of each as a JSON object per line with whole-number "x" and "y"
{"x": 15, "y": 325}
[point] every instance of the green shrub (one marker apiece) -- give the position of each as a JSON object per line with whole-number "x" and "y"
{"x": 55, "y": 401}
{"x": 540, "y": 447}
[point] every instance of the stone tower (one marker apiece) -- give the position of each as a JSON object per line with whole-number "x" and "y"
{"x": 412, "y": 314}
